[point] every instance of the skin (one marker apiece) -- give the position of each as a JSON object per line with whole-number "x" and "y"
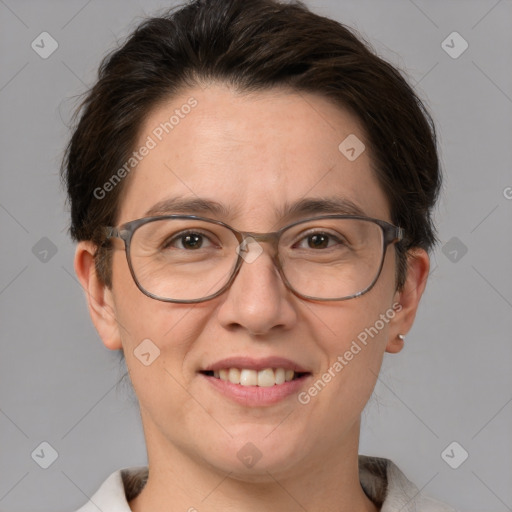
{"x": 251, "y": 152}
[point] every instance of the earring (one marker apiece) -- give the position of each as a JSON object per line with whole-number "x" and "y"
{"x": 401, "y": 337}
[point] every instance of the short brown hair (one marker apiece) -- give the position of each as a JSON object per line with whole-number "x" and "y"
{"x": 252, "y": 46}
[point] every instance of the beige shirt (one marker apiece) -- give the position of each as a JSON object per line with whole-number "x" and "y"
{"x": 380, "y": 479}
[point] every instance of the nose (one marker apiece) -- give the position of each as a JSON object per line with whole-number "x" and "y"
{"x": 258, "y": 300}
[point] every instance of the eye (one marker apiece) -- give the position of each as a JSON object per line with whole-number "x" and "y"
{"x": 319, "y": 240}
{"x": 187, "y": 240}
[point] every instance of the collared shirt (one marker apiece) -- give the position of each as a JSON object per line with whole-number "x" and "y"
{"x": 380, "y": 479}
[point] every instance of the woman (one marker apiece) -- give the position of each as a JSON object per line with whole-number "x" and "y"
{"x": 251, "y": 191}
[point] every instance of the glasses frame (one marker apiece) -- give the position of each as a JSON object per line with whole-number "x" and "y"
{"x": 391, "y": 234}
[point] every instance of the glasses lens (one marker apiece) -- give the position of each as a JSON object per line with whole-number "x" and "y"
{"x": 182, "y": 259}
{"x": 331, "y": 258}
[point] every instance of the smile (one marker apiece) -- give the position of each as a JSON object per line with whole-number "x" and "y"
{"x": 264, "y": 378}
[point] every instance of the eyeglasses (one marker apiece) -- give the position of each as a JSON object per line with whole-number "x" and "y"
{"x": 188, "y": 259}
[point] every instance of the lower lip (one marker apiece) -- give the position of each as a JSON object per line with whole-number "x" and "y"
{"x": 256, "y": 396}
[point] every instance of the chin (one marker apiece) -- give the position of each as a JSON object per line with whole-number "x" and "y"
{"x": 258, "y": 460}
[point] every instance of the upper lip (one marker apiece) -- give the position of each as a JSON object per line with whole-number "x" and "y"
{"x": 250, "y": 363}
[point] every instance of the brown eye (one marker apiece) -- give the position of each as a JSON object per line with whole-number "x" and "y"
{"x": 191, "y": 240}
{"x": 318, "y": 241}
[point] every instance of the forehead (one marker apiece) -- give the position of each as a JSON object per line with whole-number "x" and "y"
{"x": 255, "y": 155}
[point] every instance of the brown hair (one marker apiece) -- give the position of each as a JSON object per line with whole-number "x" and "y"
{"x": 252, "y": 46}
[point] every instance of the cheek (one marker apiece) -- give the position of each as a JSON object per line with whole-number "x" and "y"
{"x": 364, "y": 318}
{"x": 339, "y": 393}
{"x": 357, "y": 335}
{"x": 353, "y": 336}
{"x": 155, "y": 335}
{"x": 140, "y": 316}
{"x": 157, "y": 338}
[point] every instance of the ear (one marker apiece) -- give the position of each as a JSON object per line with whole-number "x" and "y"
{"x": 99, "y": 297}
{"x": 418, "y": 265}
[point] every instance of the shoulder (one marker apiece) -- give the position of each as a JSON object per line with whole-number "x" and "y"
{"x": 117, "y": 490}
{"x": 388, "y": 487}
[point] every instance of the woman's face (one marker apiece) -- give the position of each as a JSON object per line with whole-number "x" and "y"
{"x": 255, "y": 155}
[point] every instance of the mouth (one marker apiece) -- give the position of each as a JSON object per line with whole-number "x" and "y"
{"x": 256, "y": 382}
{"x": 265, "y": 378}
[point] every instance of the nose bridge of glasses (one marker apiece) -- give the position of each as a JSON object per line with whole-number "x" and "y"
{"x": 271, "y": 238}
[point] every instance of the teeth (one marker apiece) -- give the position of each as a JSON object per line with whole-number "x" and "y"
{"x": 234, "y": 375}
{"x": 248, "y": 378}
{"x": 264, "y": 378}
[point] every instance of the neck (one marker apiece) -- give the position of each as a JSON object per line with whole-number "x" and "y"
{"x": 179, "y": 482}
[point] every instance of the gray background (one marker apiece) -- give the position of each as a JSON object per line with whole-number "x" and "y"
{"x": 451, "y": 383}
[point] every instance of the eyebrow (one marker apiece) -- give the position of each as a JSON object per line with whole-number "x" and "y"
{"x": 289, "y": 211}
